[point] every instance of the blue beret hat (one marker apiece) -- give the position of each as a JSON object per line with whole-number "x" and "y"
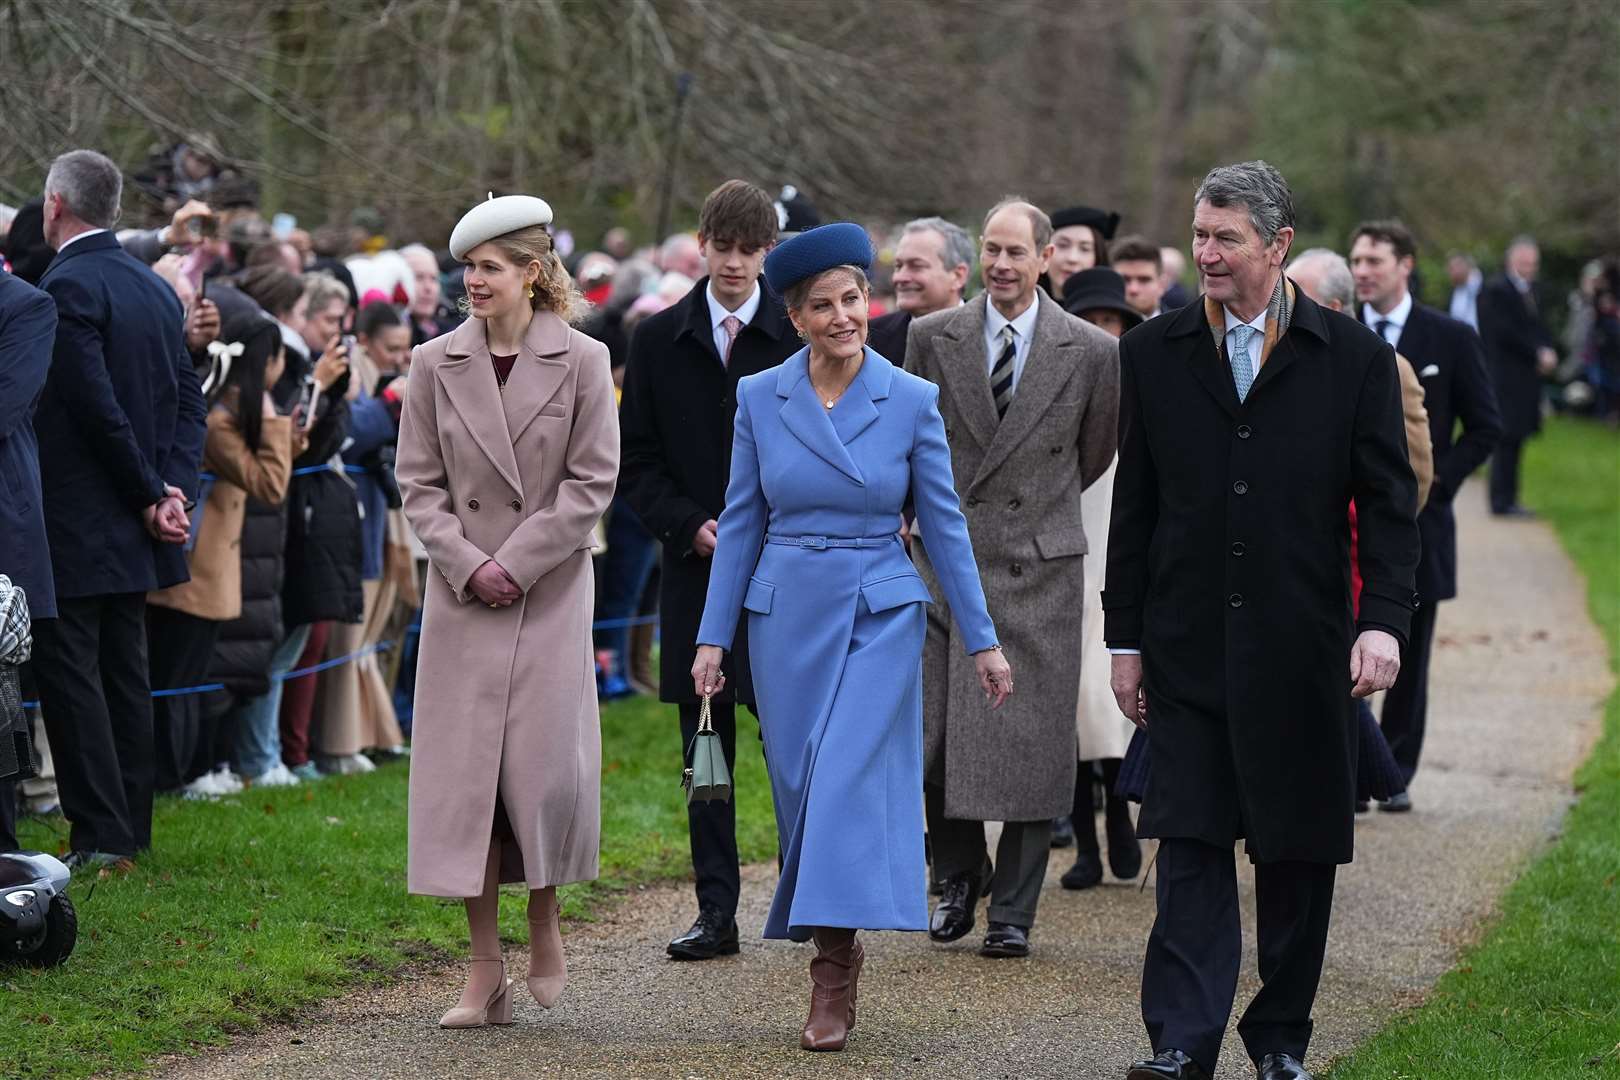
{"x": 843, "y": 243}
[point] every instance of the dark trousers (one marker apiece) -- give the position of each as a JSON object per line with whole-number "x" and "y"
{"x": 1084, "y": 814}
{"x": 8, "y": 815}
{"x": 1504, "y": 473}
{"x": 1021, "y": 856}
{"x": 1406, "y": 706}
{"x": 178, "y": 648}
{"x": 90, "y": 665}
{"x": 631, "y": 554}
{"x": 712, "y": 826}
{"x": 298, "y": 698}
{"x": 1189, "y": 976}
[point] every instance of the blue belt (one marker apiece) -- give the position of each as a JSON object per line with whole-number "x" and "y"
{"x": 821, "y": 543}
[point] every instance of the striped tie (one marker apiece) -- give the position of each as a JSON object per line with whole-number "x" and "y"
{"x": 1242, "y": 363}
{"x": 1001, "y": 376}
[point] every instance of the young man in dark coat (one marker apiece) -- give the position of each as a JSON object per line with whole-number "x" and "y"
{"x": 1450, "y": 363}
{"x": 1247, "y": 422}
{"x": 675, "y": 422}
{"x": 1521, "y": 353}
{"x": 27, "y": 332}
{"x": 121, "y": 429}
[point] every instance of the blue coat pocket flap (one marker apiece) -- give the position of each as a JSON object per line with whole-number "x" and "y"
{"x": 759, "y": 596}
{"x": 891, "y": 592}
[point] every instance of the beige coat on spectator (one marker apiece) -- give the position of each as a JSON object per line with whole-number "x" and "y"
{"x": 506, "y": 739}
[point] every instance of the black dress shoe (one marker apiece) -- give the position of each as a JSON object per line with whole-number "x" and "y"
{"x": 1124, "y": 851}
{"x": 1362, "y": 806}
{"x": 1085, "y": 873}
{"x": 1005, "y": 940}
{"x": 97, "y": 860}
{"x": 1167, "y": 1065}
{"x": 1515, "y": 511}
{"x": 714, "y": 934}
{"x": 1281, "y": 1067}
{"x": 953, "y": 915}
{"x": 1062, "y": 832}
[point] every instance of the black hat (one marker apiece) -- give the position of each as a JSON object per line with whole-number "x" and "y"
{"x": 1104, "y": 221}
{"x": 25, "y": 248}
{"x": 795, "y": 213}
{"x": 1098, "y": 287}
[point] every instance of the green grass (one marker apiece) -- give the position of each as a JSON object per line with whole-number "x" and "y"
{"x": 254, "y": 907}
{"x": 1539, "y": 997}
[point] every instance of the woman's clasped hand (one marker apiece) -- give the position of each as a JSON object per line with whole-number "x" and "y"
{"x": 995, "y": 675}
{"x": 494, "y": 586}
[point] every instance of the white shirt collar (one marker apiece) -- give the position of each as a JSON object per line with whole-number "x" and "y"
{"x": 1232, "y": 321}
{"x": 75, "y": 239}
{"x": 718, "y": 312}
{"x": 1518, "y": 282}
{"x": 1397, "y": 314}
{"x": 1023, "y": 325}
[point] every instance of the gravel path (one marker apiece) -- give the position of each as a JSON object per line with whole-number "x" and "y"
{"x": 1518, "y": 679}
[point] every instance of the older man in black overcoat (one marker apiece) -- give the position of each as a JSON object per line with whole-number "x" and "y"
{"x": 675, "y": 424}
{"x": 1248, "y": 422}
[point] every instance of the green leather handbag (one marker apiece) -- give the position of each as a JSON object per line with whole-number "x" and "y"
{"x": 706, "y": 777}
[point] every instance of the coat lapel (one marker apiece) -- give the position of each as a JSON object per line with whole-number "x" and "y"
{"x": 1049, "y": 365}
{"x": 803, "y": 414}
{"x": 967, "y": 371}
{"x": 539, "y": 372}
{"x": 1306, "y": 317}
{"x": 1204, "y": 360}
{"x": 468, "y": 378}
{"x": 857, "y": 409}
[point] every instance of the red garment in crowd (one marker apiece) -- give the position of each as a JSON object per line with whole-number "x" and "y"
{"x": 1355, "y": 567}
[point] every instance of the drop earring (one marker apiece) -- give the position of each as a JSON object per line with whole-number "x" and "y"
{"x": 531, "y": 292}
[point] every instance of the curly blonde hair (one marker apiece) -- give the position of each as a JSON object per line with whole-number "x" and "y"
{"x": 555, "y": 291}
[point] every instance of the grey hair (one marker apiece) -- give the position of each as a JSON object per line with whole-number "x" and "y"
{"x": 1258, "y": 187}
{"x": 1523, "y": 240}
{"x": 90, "y": 184}
{"x": 320, "y": 289}
{"x": 419, "y": 249}
{"x": 794, "y": 296}
{"x": 1039, "y": 223}
{"x": 956, "y": 245}
{"x": 1334, "y": 281}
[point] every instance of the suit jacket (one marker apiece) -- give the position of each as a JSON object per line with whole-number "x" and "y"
{"x": 1020, "y": 479}
{"x": 676, "y": 421}
{"x": 1450, "y": 363}
{"x": 1512, "y": 329}
{"x": 886, "y": 336}
{"x": 27, "y": 331}
{"x": 1229, "y": 567}
{"x": 122, "y": 415}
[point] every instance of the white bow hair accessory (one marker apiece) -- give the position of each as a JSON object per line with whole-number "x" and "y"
{"x": 223, "y": 354}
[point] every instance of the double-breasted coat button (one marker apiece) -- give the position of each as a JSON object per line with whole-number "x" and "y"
{"x": 1238, "y": 549}
{"x": 1056, "y": 450}
{"x": 1241, "y": 487}
{"x": 1013, "y": 504}
{"x": 1017, "y": 570}
{"x": 947, "y": 434}
{"x": 1244, "y": 431}
{"x": 472, "y": 504}
{"x": 1235, "y": 600}
{"x": 516, "y": 504}
{"x": 972, "y": 502}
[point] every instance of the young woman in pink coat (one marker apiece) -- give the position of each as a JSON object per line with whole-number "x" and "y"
{"x": 508, "y": 451}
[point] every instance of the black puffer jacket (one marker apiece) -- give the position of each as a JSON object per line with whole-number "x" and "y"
{"x": 242, "y": 654}
{"x": 323, "y": 523}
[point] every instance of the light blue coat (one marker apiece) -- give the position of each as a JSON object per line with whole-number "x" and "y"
{"x": 836, "y": 630}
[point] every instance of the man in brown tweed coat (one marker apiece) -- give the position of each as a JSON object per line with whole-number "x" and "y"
{"x": 1030, "y": 401}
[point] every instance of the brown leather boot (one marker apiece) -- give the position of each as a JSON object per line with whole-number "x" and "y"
{"x": 831, "y": 982}
{"x": 857, "y": 961}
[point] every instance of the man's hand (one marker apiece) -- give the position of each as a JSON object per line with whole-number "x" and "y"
{"x": 202, "y": 325}
{"x": 166, "y": 519}
{"x": 494, "y": 586}
{"x": 1546, "y": 360}
{"x": 1375, "y": 660}
{"x": 179, "y": 231}
{"x": 1125, "y": 680}
{"x": 705, "y": 538}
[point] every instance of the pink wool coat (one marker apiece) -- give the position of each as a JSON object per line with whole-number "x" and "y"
{"x": 506, "y": 697}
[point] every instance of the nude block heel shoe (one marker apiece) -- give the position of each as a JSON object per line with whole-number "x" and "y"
{"x": 547, "y": 988}
{"x": 497, "y": 1010}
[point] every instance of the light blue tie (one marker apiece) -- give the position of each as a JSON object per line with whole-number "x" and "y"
{"x": 1242, "y": 363}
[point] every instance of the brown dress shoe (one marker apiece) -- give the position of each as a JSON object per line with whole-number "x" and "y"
{"x": 832, "y": 984}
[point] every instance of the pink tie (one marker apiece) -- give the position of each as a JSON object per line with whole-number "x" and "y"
{"x": 733, "y": 327}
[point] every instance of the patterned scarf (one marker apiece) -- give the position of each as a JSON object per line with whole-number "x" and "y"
{"x": 16, "y": 642}
{"x": 1279, "y": 313}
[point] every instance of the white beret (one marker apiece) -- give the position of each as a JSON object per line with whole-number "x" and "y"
{"x": 497, "y": 217}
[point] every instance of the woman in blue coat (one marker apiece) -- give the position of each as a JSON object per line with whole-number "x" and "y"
{"x": 828, "y": 448}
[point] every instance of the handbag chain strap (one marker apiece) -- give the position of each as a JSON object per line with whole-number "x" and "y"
{"x": 705, "y": 723}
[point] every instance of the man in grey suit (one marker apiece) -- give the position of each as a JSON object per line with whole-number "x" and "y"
{"x": 1030, "y": 403}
